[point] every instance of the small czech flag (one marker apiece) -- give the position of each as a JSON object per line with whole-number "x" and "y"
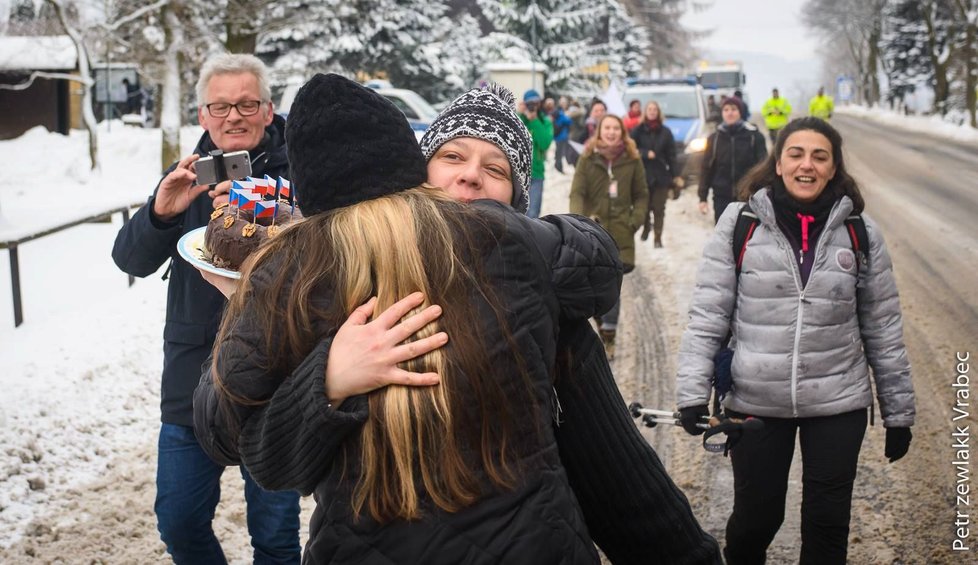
{"x": 247, "y": 200}
{"x": 243, "y": 184}
{"x": 284, "y": 188}
{"x": 265, "y": 208}
{"x": 261, "y": 185}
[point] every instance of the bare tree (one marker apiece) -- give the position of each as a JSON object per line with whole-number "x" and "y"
{"x": 967, "y": 14}
{"x": 84, "y": 77}
{"x": 940, "y": 50}
{"x": 857, "y": 26}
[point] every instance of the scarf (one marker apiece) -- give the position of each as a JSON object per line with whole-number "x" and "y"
{"x": 653, "y": 124}
{"x": 800, "y": 218}
{"x": 611, "y": 153}
{"x": 634, "y": 113}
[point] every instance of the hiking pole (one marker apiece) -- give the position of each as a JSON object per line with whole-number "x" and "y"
{"x": 651, "y": 418}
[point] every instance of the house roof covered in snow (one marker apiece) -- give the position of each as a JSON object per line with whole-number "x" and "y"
{"x": 40, "y": 53}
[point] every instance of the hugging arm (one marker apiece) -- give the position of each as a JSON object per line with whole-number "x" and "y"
{"x": 633, "y": 510}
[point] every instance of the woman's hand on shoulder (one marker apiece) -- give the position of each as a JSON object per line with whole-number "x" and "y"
{"x": 364, "y": 354}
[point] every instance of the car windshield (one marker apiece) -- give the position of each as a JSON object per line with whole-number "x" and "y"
{"x": 680, "y": 104}
{"x": 426, "y": 111}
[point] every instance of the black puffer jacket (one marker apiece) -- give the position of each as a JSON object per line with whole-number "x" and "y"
{"x": 659, "y": 171}
{"x": 730, "y": 153}
{"x": 565, "y": 267}
{"x": 193, "y": 307}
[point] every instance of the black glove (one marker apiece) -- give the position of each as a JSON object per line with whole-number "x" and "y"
{"x": 897, "y": 443}
{"x": 692, "y": 415}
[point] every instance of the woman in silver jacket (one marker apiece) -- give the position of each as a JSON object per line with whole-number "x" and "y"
{"x": 808, "y": 321}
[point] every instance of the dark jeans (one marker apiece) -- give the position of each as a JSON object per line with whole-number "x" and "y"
{"x": 720, "y": 203}
{"x": 657, "y": 209}
{"x": 774, "y": 136}
{"x": 188, "y": 488}
{"x": 761, "y": 461}
{"x": 561, "y": 154}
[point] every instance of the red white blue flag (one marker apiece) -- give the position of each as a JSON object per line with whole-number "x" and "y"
{"x": 284, "y": 188}
{"x": 265, "y": 208}
{"x": 261, "y": 185}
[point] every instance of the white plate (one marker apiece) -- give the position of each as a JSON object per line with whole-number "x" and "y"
{"x": 191, "y": 248}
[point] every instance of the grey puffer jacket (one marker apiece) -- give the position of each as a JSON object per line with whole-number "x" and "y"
{"x": 798, "y": 352}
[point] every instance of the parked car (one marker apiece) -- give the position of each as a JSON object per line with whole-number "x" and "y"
{"x": 684, "y": 108}
{"x": 416, "y": 109}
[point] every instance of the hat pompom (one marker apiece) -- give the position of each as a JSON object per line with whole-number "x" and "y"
{"x": 501, "y": 92}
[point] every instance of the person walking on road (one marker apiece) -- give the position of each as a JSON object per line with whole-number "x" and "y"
{"x": 609, "y": 185}
{"x": 730, "y": 152}
{"x": 562, "y": 126}
{"x": 814, "y": 317}
{"x": 776, "y": 112}
{"x": 821, "y": 106}
{"x": 658, "y": 150}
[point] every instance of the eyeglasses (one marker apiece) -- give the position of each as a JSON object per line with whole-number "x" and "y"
{"x": 222, "y": 109}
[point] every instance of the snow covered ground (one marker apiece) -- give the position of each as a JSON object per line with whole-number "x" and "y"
{"x": 932, "y": 125}
{"x": 79, "y": 385}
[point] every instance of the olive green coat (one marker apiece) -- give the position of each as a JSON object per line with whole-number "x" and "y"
{"x": 621, "y": 216}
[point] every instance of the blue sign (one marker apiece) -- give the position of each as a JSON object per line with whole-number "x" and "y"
{"x": 844, "y": 88}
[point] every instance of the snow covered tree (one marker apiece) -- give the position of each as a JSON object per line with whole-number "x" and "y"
{"x": 673, "y": 45}
{"x": 904, "y": 49}
{"x": 572, "y": 37}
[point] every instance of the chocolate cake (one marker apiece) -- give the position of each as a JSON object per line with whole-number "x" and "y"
{"x": 232, "y": 235}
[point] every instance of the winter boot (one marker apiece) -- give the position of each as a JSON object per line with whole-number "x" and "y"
{"x": 646, "y": 228}
{"x": 608, "y": 338}
{"x": 658, "y": 241}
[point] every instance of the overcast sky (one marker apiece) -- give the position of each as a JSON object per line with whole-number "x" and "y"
{"x": 772, "y": 27}
{"x": 768, "y": 37}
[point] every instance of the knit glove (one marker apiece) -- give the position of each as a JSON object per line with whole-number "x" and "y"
{"x": 692, "y": 415}
{"x": 897, "y": 443}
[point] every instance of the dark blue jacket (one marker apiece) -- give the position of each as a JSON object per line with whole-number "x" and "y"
{"x": 193, "y": 306}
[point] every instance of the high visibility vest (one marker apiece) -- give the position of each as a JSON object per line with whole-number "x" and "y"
{"x": 821, "y": 107}
{"x": 776, "y": 112}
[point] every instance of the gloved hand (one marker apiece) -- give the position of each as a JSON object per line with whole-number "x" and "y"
{"x": 692, "y": 415}
{"x": 897, "y": 443}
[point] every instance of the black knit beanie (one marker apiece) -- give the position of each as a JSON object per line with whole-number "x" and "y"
{"x": 489, "y": 114}
{"x": 347, "y": 144}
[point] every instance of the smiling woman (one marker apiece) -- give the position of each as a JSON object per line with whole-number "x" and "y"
{"x": 804, "y": 335}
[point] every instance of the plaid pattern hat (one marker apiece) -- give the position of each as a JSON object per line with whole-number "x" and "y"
{"x": 488, "y": 114}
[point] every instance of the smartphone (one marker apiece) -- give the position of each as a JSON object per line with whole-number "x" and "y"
{"x": 236, "y": 165}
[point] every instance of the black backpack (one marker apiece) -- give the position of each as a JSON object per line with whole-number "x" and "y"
{"x": 747, "y": 222}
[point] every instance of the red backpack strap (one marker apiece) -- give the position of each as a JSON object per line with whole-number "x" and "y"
{"x": 743, "y": 230}
{"x": 858, "y": 238}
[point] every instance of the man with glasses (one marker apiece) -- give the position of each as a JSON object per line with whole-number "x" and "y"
{"x": 235, "y": 110}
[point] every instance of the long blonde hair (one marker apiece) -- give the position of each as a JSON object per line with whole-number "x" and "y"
{"x": 415, "y": 437}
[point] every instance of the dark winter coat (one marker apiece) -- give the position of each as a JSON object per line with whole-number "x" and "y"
{"x": 730, "y": 153}
{"x": 621, "y": 216}
{"x": 193, "y": 306}
{"x": 659, "y": 171}
{"x": 541, "y": 271}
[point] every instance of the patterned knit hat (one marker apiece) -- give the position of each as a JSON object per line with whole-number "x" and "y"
{"x": 488, "y": 114}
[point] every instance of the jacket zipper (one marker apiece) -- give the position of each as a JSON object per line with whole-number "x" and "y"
{"x": 801, "y": 304}
{"x": 801, "y": 313}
